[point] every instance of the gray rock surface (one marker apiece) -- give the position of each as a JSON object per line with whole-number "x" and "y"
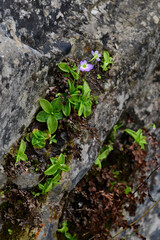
{"x": 36, "y": 35}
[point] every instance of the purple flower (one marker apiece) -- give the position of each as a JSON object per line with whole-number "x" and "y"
{"x": 85, "y": 67}
{"x": 96, "y": 55}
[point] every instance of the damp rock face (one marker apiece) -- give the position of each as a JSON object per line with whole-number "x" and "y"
{"x": 36, "y": 35}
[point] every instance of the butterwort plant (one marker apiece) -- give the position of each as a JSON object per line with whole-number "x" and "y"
{"x": 53, "y": 171}
{"x": 38, "y": 138}
{"x": 138, "y": 137}
{"x": 51, "y": 113}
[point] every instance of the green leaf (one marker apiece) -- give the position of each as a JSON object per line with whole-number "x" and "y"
{"x": 98, "y": 162}
{"x": 23, "y": 157}
{"x": 95, "y": 100}
{"x": 58, "y": 115}
{"x": 74, "y": 99}
{"x": 80, "y": 110}
{"x": 103, "y": 155}
{"x": 64, "y": 228}
{"x": 74, "y": 74}
{"x": 28, "y": 137}
{"x": 61, "y": 159}
{"x": 87, "y": 109}
{"x": 127, "y": 190}
{"x": 106, "y": 56}
{"x": 68, "y": 235}
{"x": 56, "y": 105}
{"x": 41, "y": 187}
{"x": 52, "y": 124}
{"x": 46, "y": 106}
{"x": 116, "y": 127}
{"x": 53, "y": 160}
{"x": 17, "y": 157}
{"x": 37, "y": 134}
{"x": 131, "y": 133}
{"x": 42, "y": 116}
{"x": 64, "y": 67}
{"x": 99, "y": 76}
{"x": 51, "y": 170}
{"x": 64, "y": 167}
{"x": 56, "y": 178}
{"x": 38, "y": 144}
{"x": 71, "y": 86}
{"x": 22, "y": 147}
{"x": 85, "y": 89}
{"x": 66, "y": 109}
{"x": 10, "y": 231}
{"x": 48, "y": 187}
{"x": 52, "y": 140}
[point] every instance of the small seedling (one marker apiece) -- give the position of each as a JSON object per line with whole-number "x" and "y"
{"x": 115, "y": 173}
{"x": 103, "y": 155}
{"x": 57, "y": 165}
{"x": 138, "y": 137}
{"x": 127, "y": 190}
{"x": 10, "y": 231}
{"x": 106, "y": 61}
{"x": 21, "y": 153}
{"x": 64, "y": 230}
{"x": 99, "y": 76}
{"x": 52, "y": 140}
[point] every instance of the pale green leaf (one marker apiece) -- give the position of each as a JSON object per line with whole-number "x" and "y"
{"x": 46, "y": 106}
{"x": 52, "y": 124}
{"x": 66, "y": 109}
{"x": 64, "y": 67}
{"x": 42, "y": 116}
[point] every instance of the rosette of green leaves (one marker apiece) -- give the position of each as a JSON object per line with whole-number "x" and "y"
{"x": 38, "y": 138}
{"x": 138, "y": 137}
{"x": 51, "y": 113}
{"x": 82, "y": 101}
{"x": 49, "y": 184}
{"x": 21, "y": 153}
{"x": 57, "y": 165}
{"x": 106, "y": 61}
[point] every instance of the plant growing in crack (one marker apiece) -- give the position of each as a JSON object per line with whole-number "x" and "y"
{"x": 64, "y": 230}
{"x": 21, "y": 153}
{"x": 51, "y": 113}
{"x": 38, "y": 138}
{"x": 57, "y": 166}
{"x": 138, "y": 137}
{"x": 106, "y": 61}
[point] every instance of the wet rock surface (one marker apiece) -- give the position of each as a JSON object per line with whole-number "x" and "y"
{"x": 36, "y": 35}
